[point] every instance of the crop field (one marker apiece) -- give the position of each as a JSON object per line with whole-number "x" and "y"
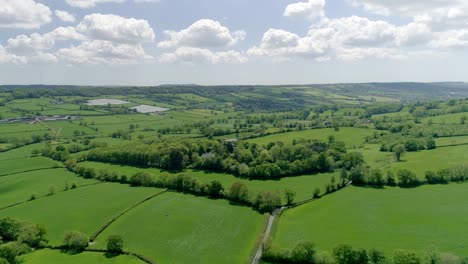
{"x": 392, "y": 219}
{"x": 57, "y": 257}
{"x": 185, "y": 228}
{"x": 84, "y": 209}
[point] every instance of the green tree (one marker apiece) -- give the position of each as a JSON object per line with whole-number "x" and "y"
{"x": 345, "y": 254}
{"x": 9, "y": 228}
{"x": 398, "y": 151}
{"x": 405, "y": 257}
{"x": 33, "y": 235}
{"x": 316, "y": 193}
{"x": 303, "y": 252}
{"x": 51, "y": 190}
{"x": 407, "y": 178}
{"x": 215, "y": 189}
{"x": 289, "y": 195}
{"x": 11, "y": 250}
{"x": 432, "y": 255}
{"x": 376, "y": 256}
{"x": 239, "y": 192}
{"x": 115, "y": 244}
{"x": 75, "y": 241}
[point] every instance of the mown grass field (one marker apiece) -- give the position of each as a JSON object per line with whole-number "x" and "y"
{"x": 177, "y": 228}
{"x": 19, "y": 187}
{"x": 303, "y": 186}
{"x": 387, "y": 219}
{"x": 84, "y": 209}
{"x": 47, "y": 256}
{"x": 353, "y": 137}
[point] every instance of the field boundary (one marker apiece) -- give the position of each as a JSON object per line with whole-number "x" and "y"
{"x": 48, "y": 195}
{"x": 31, "y": 170}
{"x": 115, "y": 218}
{"x": 128, "y": 253}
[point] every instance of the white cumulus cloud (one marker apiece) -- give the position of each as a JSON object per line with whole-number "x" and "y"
{"x": 23, "y": 14}
{"x": 312, "y": 9}
{"x": 198, "y": 55}
{"x": 90, "y": 3}
{"x": 65, "y": 16}
{"x": 103, "y": 52}
{"x": 23, "y": 44}
{"x": 8, "y": 58}
{"x": 204, "y": 33}
{"x": 116, "y": 28}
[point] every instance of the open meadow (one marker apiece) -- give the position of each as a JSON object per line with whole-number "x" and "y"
{"x": 388, "y": 219}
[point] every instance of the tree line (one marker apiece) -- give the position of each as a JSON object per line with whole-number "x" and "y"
{"x": 304, "y": 252}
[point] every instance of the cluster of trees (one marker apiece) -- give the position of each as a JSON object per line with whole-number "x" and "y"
{"x": 244, "y": 159}
{"x": 455, "y": 174}
{"x": 75, "y": 242}
{"x": 304, "y": 252}
{"x": 20, "y": 142}
{"x": 62, "y": 153}
{"x": 18, "y": 238}
{"x": 411, "y": 145}
{"x": 364, "y": 175}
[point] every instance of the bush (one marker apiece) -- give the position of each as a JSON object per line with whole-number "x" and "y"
{"x": 141, "y": 179}
{"x": 115, "y": 244}
{"x": 407, "y": 178}
{"x": 33, "y": 235}
{"x": 75, "y": 241}
{"x": 303, "y": 252}
{"x": 405, "y": 257}
{"x": 11, "y": 250}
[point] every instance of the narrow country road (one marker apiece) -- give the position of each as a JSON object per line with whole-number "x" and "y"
{"x": 271, "y": 220}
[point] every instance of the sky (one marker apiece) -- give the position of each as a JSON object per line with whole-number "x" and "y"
{"x": 214, "y": 42}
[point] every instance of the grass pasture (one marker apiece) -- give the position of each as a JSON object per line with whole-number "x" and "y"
{"x": 387, "y": 219}
{"x": 418, "y": 162}
{"x": 26, "y": 164}
{"x": 83, "y": 209}
{"x": 19, "y": 187}
{"x": 177, "y": 228}
{"x": 353, "y": 137}
{"x": 56, "y": 257}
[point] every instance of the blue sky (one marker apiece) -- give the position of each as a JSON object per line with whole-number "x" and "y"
{"x": 137, "y": 42}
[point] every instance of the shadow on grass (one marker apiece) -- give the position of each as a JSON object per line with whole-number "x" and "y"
{"x": 110, "y": 255}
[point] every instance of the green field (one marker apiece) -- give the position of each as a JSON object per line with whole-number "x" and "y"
{"x": 177, "y": 228}
{"x": 353, "y": 137}
{"x": 56, "y": 257}
{"x": 83, "y": 209}
{"x": 26, "y": 164}
{"x": 171, "y": 227}
{"x": 418, "y": 162}
{"x": 387, "y": 219}
{"x": 19, "y": 187}
{"x": 302, "y": 185}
